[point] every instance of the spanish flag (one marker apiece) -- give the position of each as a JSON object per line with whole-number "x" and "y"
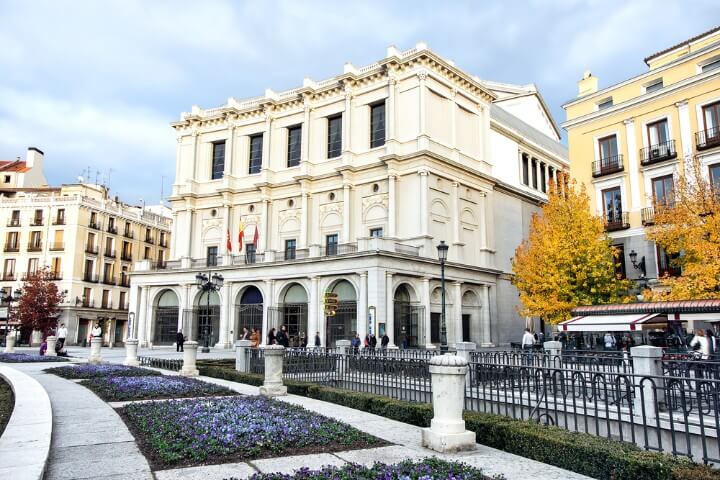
{"x": 241, "y": 235}
{"x": 229, "y": 242}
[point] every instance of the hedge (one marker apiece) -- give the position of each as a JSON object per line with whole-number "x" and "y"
{"x": 582, "y": 453}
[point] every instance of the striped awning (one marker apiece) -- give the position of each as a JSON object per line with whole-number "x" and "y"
{"x": 610, "y": 323}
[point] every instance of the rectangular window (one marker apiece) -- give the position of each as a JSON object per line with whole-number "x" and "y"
{"x": 108, "y": 273}
{"x": 12, "y": 240}
{"x": 294, "y": 146}
{"x": 87, "y": 294}
{"x": 376, "y": 232}
{"x": 711, "y": 66}
{"x": 667, "y": 264}
{"x": 218, "y": 160}
{"x": 603, "y": 104}
{"x": 35, "y": 240}
{"x": 290, "y": 249}
{"x": 434, "y": 327}
{"x": 121, "y": 300}
{"x": 9, "y": 271}
{"x": 15, "y": 219}
{"x": 106, "y": 299}
{"x": 256, "y": 148}
{"x": 715, "y": 176}
{"x": 711, "y": 120}
{"x": 60, "y": 218}
{"x": 608, "y": 147}
{"x": 654, "y": 86}
{"x": 334, "y": 143}
{"x": 551, "y": 174}
{"x": 612, "y": 205}
{"x": 663, "y": 190}
{"x": 56, "y": 266}
{"x": 525, "y": 170}
{"x": 212, "y": 256}
{"x": 38, "y": 218}
{"x": 658, "y": 135}
{"x": 533, "y": 165}
{"x": 147, "y": 254}
{"x": 377, "y": 125}
{"x": 543, "y": 180}
{"x": 249, "y": 253}
{"x": 619, "y": 261}
{"x": 331, "y": 244}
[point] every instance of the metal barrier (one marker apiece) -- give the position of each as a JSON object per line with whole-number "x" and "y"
{"x": 164, "y": 363}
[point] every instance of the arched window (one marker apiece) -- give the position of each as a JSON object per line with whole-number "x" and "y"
{"x": 167, "y": 311}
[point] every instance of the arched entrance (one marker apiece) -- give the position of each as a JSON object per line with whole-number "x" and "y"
{"x": 294, "y": 313}
{"x": 406, "y": 318}
{"x": 207, "y": 317}
{"x": 249, "y": 310}
{"x": 167, "y": 312}
{"x": 343, "y": 324}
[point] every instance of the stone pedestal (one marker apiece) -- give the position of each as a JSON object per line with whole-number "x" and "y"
{"x": 648, "y": 376}
{"x": 463, "y": 351}
{"x": 36, "y": 338}
{"x": 10, "y": 342}
{"x": 242, "y": 354}
{"x": 131, "y": 356}
{"x": 554, "y": 349}
{"x": 447, "y": 428}
{"x": 95, "y": 344}
{"x": 51, "y": 341}
{"x": 189, "y": 368}
{"x": 273, "y": 384}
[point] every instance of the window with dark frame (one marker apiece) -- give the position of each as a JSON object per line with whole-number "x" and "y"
{"x": 218, "y": 160}
{"x": 711, "y": 120}
{"x": 294, "y": 145}
{"x": 607, "y": 103}
{"x": 655, "y": 86}
{"x": 290, "y": 248}
{"x": 525, "y": 170}
{"x": 331, "y": 244}
{"x": 711, "y": 65}
{"x": 249, "y": 253}
{"x": 662, "y": 189}
{"x": 666, "y": 263}
{"x": 212, "y": 253}
{"x": 256, "y": 148}
{"x": 334, "y": 141}
{"x": 715, "y": 176}
{"x": 608, "y": 147}
{"x": 377, "y": 124}
{"x": 533, "y": 165}
{"x": 543, "y": 180}
{"x": 658, "y": 134}
{"x": 612, "y": 205}
{"x": 376, "y": 232}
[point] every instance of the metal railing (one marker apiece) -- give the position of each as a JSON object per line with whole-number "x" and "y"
{"x": 164, "y": 363}
{"x": 128, "y": 234}
{"x": 59, "y": 221}
{"x": 707, "y": 138}
{"x": 338, "y": 249}
{"x": 34, "y": 247}
{"x": 616, "y": 221}
{"x": 607, "y": 165}
{"x": 13, "y": 222}
{"x": 109, "y": 252}
{"x": 658, "y": 153}
{"x": 647, "y": 215}
{"x": 12, "y": 247}
{"x": 112, "y": 229}
{"x": 37, "y": 222}
{"x": 92, "y": 249}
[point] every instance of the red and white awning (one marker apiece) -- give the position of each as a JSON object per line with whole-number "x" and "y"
{"x": 609, "y": 323}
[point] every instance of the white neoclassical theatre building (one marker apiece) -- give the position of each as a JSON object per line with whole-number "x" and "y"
{"x": 347, "y": 185}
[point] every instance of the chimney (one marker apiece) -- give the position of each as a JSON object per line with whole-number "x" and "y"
{"x": 34, "y": 157}
{"x": 587, "y": 85}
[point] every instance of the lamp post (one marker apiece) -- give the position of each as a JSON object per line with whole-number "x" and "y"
{"x": 212, "y": 282}
{"x": 638, "y": 265}
{"x": 442, "y": 249}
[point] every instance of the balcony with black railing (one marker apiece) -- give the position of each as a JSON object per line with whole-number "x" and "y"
{"x": 658, "y": 153}
{"x": 616, "y": 221}
{"x": 8, "y": 276}
{"x": 55, "y": 276}
{"x": 647, "y": 215}
{"x": 57, "y": 246}
{"x": 707, "y": 138}
{"x": 37, "y": 222}
{"x": 126, "y": 257}
{"x": 163, "y": 242}
{"x": 108, "y": 280}
{"x": 91, "y": 249}
{"x": 12, "y": 247}
{"x": 59, "y": 221}
{"x": 112, "y": 229}
{"x": 109, "y": 252}
{"x": 34, "y": 247}
{"x": 128, "y": 234}
{"x": 95, "y": 225}
{"x": 338, "y": 249}
{"x": 607, "y": 166}
{"x": 13, "y": 222}
{"x": 125, "y": 281}
{"x": 149, "y": 239}
{"x": 90, "y": 277}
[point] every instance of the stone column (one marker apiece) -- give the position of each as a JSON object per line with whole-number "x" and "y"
{"x": 649, "y": 385}
{"x": 242, "y": 352}
{"x": 457, "y": 304}
{"x": 305, "y": 133}
{"x": 346, "y": 213}
{"x": 685, "y": 133}
{"x": 225, "y": 318}
{"x": 313, "y": 308}
{"x": 422, "y": 76}
{"x": 131, "y": 353}
{"x": 453, "y": 118}
{"x": 389, "y": 310}
{"x": 189, "y": 368}
{"x": 447, "y": 432}
{"x": 346, "y": 119}
{"x": 51, "y": 341}
{"x": 141, "y": 318}
{"x": 424, "y": 216}
{"x": 455, "y": 214}
{"x": 229, "y": 151}
{"x": 303, "y": 218}
{"x": 262, "y": 241}
{"x": 362, "y": 306}
{"x": 427, "y": 327}
{"x": 391, "y": 206}
{"x": 485, "y": 313}
{"x": 224, "y": 252}
{"x": 267, "y": 303}
{"x": 10, "y": 341}
{"x": 266, "y": 141}
{"x": 95, "y": 357}
{"x": 463, "y": 351}
{"x": 273, "y": 384}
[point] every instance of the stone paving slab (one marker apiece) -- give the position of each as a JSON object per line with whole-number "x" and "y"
{"x": 207, "y": 472}
{"x": 291, "y": 463}
{"x": 389, "y": 455}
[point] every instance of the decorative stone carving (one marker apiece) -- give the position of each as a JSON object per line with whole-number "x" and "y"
{"x": 422, "y": 75}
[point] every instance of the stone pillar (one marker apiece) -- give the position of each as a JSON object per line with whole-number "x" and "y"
{"x": 457, "y": 309}
{"x": 346, "y": 213}
{"x": 303, "y": 219}
{"x": 266, "y": 140}
{"x": 343, "y": 348}
{"x": 424, "y": 215}
{"x": 485, "y": 312}
{"x": 229, "y": 151}
{"x": 273, "y": 384}
{"x": 554, "y": 349}
{"x": 141, "y": 319}
{"x": 95, "y": 344}
{"x": 242, "y": 352}
{"x": 225, "y": 320}
{"x": 51, "y": 341}
{"x": 267, "y": 303}
{"x": 455, "y": 216}
{"x": 189, "y": 368}
{"x": 427, "y": 327}
{"x": 131, "y": 353}
{"x": 647, "y": 369}
{"x": 447, "y": 432}
{"x": 362, "y": 306}
{"x": 11, "y": 337}
{"x": 262, "y": 241}
{"x": 346, "y": 119}
{"x": 422, "y": 76}
{"x": 313, "y": 308}
{"x": 686, "y": 138}
{"x": 389, "y": 310}
{"x": 305, "y": 133}
{"x": 391, "y": 206}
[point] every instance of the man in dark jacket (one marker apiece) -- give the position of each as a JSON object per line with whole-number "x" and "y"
{"x": 373, "y": 341}
{"x": 318, "y": 342}
{"x": 180, "y": 340}
{"x": 385, "y": 341}
{"x": 282, "y": 338}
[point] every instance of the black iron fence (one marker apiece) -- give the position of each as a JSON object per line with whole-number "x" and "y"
{"x": 164, "y": 363}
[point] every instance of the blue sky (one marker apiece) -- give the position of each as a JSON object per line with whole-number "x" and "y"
{"x": 95, "y": 83}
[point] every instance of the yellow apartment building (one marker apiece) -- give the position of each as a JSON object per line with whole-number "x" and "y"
{"x": 628, "y": 142}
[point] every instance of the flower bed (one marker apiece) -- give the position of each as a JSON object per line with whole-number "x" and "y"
{"x": 429, "y": 468}
{"x": 117, "y": 389}
{"x": 222, "y": 430}
{"x": 102, "y": 370}
{"x": 7, "y": 402}
{"x": 28, "y": 358}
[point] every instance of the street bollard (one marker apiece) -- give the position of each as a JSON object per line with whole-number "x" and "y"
{"x": 242, "y": 355}
{"x": 553, "y": 351}
{"x": 131, "y": 349}
{"x": 344, "y": 349}
{"x": 189, "y": 368}
{"x": 95, "y": 344}
{"x": 273, "y": 384}
{"x": 10, "y": 341}
{"x": 647, "y": 373}
{"x": 51, "y": 341}
{"x": 447, "y": 428}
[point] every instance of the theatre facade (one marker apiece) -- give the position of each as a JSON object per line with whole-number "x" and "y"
{"x": 347, "y": 186}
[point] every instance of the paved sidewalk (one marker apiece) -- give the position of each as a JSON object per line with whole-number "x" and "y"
{"x": 89, "y": 439}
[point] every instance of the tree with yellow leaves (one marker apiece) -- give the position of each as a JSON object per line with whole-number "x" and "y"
{"x": 567, "y": 259}
{"x": 688, "y": 228}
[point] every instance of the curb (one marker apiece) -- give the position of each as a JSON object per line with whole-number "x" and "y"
{"x": 25, "y": 443}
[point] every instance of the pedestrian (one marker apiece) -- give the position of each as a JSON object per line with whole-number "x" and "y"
{"x": 62, "y": 335}
{"x": 303, "y": 340}
{"x": 712, "y": 343}
{"x": 373, "y": 342}
{"x": 180, "y": 342}
{"x": 271, "y": 337}
{"x": 318, "y": 342}
{"x": 366, "y": 343}
{"x": 282, "y": 338}
{"x": 255, "y": 338}
{"x": 700, "y": 342}
{"x": 609, "y": 341}
{"x": 527, "y": 344}
{"x": 245, "y": 335}
{"x": 96, "y": 332}
{"x": 355, "y": 343}
{"x": 385, "y": 341}
{"x": 43, "y": 347}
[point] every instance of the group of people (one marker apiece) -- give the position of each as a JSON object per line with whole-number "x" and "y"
{"x": 61, "y": 335}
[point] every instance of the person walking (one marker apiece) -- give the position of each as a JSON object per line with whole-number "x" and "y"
{"x": 271, "y": 337}
{"x": 609, "y": 341}
{"x": 527, "y": 345}
{"x": 385, "y": 341}
{"x": 318, "y": 342}
{"x": 701, "y": 341}
{"x": 62, "y": 335}
{"x": 282, "y": 338}
{"x": 179, "y": 341}
{"x": 303, "y": 340}
{"x": 355, "y": 343}
{"x": 255, "y": 338}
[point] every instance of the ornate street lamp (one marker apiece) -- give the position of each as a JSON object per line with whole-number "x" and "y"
{"x": 442, "y": 249}
{"x": 638, "y": 265}
{"x": 212, "y": 282}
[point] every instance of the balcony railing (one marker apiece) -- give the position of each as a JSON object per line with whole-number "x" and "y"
{"x": 109, "y": 252}
{"x": 163, "y": 243}
{"x": 34, "y": 247}
{"x": 57, "y": 246}
{"x": 112, "y": 229}
{"x": 125, "y": 281}
{"x": 249, "y": 258}
{"x": 12, "y": 247}
{"x": 95, "y": 225}
{"x": 108, "y": 280}
{"x": 88, "y": 303}
{"x": 149, "y": 240}
{"x": 89, "y": 277}
{"x": 607, "y": 165}
{"x": 55, "y": 276}
{"x": 658, "y": 153}
{"x": 126, "y": 257}
{"x": 13, "y": 222}
{"x": 37, "y": 222}
{"x": 707, "y": 138}
{"x": 648, "y": 215}
{"x": 91, "y": 249}
{"x": 59, "y": 221}
{"x": 616, "y": 221}
{"x": 339, "y": 249}
{"x": 8, "y": 276}
{"x": 128, "y": 234}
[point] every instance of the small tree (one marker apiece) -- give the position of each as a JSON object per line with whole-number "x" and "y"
{"x": 38, "y": 307}
{"x": 687, "y": 227}
{"x": 567, "y": 259}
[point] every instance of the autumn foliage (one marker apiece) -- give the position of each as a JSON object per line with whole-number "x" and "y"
{"x": 38, "y": 307}
{"x": 688, "y": 228}
{"x": 567, "y": 259}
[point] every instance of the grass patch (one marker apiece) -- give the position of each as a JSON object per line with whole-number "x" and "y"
{"x": 7, "y": 402}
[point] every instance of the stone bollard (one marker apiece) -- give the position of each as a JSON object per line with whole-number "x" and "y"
{"x": 36, "y": 338}
{"x": 447, "y": 428}
{"x": 273, "y": 384}
{"x": 131, "y": 350}
{"x": 647, "y": 362}
{"x": 463, "y": 351}
{"x": 344, "y": 349}
{"x": 242, "y": 355}
{"x": 95, "y": 344}
{"x": 189, "y": 368}
{"x": 553, "y": 350}
{"x": 10, "y": 340}
{"x": 51, "y": 341}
